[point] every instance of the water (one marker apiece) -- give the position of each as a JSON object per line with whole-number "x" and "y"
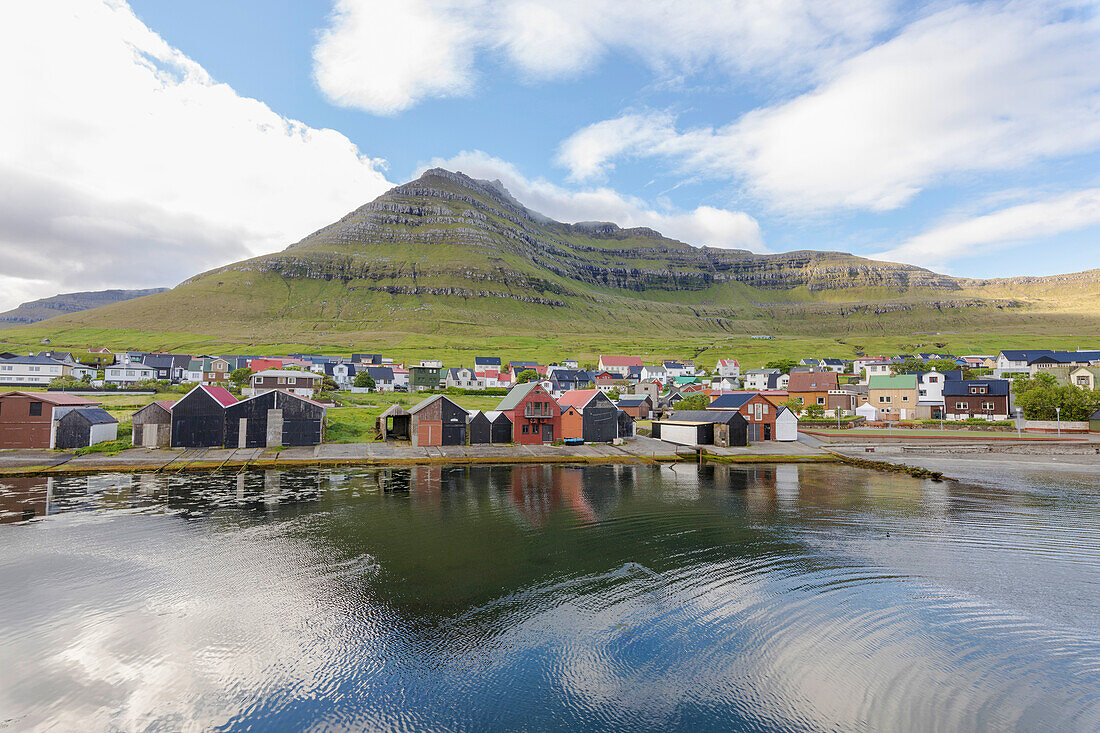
{"x": 798, "y": 598}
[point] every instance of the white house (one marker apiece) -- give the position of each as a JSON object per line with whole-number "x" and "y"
{"x": 678, "y": 369}
{"x": 654, "y": 372}
{"x": 619, "y": 364}
{"x": 570, "y": 363}
{"x": 400, "y": 377}
{"x": 382, "y": 376}
{"x": 462, "y": 378}
{"x": 930, "y": 386}
{"x": 128, "y": 373}
{"x": 30, "y": 371}
{"x": 758, "y": 379}
{"x": 876, "y": 368}
{"x": 728, "y": 368}
{"x": 300, "y": 383}
{"x": 340, "y": 372}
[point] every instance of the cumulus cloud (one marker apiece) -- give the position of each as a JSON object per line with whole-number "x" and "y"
{"x": 123, "y": 164}
{"x": 705, "y": 225}
{"x": 384, "y": 56}
{"x": 1001, "y": 229}
{"x": 973, "y": 88}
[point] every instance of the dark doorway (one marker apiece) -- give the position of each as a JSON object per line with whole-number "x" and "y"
{"x": 548, "y": 433}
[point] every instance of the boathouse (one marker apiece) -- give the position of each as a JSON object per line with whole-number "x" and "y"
{"x": 274, "y": 419}
{"x": 153, "y": 425}
{"x": 198, "y": 418}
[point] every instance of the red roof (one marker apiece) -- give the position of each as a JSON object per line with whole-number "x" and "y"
{"x": 54, "y": 398}
{"x": 621, "y": 361}
{"x": 728, "y": 362}
{"x": 577, "y": 397}
{"x": 166, "y": 404}
{"x": 224, "y": 397}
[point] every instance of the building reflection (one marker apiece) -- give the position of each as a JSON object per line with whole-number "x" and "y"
{"x": 25, "y": 498}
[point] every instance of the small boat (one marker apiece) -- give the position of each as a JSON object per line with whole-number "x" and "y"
{"x": 574, "y": 441}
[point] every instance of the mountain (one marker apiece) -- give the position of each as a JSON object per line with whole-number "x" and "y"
{"x": 39, "y": 310}
{"x": 447, "y": 259}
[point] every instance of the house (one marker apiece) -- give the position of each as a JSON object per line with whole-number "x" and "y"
{"x": 676, "y": 369}
{"x": 340, "y": 372}
{"x": 609, "y": 382}
{"x": 894, "y": 396}
{"x": 845, "y": 400}
{"x": 153, "y": 425}
{"x": 759, "y": 412}
{"x": 650, "y": 389}
{"x": 570, "y": 363}
{"x": 400, "y": 378}
{"x": 76, "y": 369}
{"x": 80, "y": 427}
{"x": 462, "y": 378}
{"x": 535, "y": 416}
{"x": 728, "y": 368}
{"x": 811, "y": 388}
{"x": 1017, "y": 361}
{"x": 488, "y": 372}
{"x": 31, "y": 371}
{"x": 567, "y": 379}
{"x": 1063, "y": 359}
{"x": 516, "y": 368}
{"x": 725, "y": 384}
{"x": 216, "y": 370}
{"x": 1094, "y": 422}
{"x": 274, "y": 418}
{"x": 619, "y": 365}
{"x": 482, "y": 363}
{"x": 258, "y": 365}
{"x": 198, "y": 418}
{"x": 125, "y": 374}
{"x": 590, "y": 415}
{"x": 437, "y": 420}
{"x": 723, "y": 428}
{"x": 168, "y": 367}
{"x": 654, "y": 372}
{"x": 638, "y": 406}
{"x": 758, "y": 379}
{"x": 29, "y": 419}
{"x": 985, "y": 398}
{"x": 876, "y": 368}
{"x": 786, "y": 425}
{"x": 382, "y": 376}
{"x": 368, "y": 359}
{"x": 300, "y": 383}
{"x": 425, "y": 377}
{"x": 193, "y": 373}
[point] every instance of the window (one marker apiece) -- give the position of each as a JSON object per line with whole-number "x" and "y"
{"x": 988, "y": 406}
{"x": 933, "y": 380}
{"x": 884, "y": 398}
{"x": 291, "y": 380}
{"x": 36, "y": 409}
{"x": 960, "y": 406}
{"x": 905, "y": 398}
{"x": 526, "y": 429}
{"x": 821, "y": 400}
{"x": 282, "y": 380}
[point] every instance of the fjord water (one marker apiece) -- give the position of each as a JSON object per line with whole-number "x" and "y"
{"x": 550, "y": 597}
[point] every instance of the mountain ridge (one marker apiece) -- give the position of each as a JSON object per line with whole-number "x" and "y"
{"x": 447, "y": 253}
{"x": 39, "y": 310}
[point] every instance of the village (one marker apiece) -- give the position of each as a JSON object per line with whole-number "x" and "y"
{"x": 58, "y": 400}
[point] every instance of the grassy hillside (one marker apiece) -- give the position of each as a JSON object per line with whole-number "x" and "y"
{"x": 446, "y": 264}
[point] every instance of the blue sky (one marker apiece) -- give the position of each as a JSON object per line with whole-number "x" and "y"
{"x": 172, "y": 137}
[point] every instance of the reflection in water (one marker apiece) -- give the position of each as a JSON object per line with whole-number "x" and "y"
{"x": 602, "y": 597}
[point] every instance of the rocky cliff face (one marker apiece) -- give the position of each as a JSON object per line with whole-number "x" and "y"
{"x": 40, "y": 310}
{"x": 443, "y": 212}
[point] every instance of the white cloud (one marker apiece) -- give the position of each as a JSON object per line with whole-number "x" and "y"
{"x": 1008, "y": 227}
{"x": 704, "y": 225}
{"x": 124, "y": 164}
{"x": 970, "y": 88}
{"x": 384, "y": 56}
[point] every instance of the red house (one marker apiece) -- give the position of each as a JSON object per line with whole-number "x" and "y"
{"x": 536, "y": 417}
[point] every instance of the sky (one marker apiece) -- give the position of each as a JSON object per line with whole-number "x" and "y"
{"x": 144, "y": 142}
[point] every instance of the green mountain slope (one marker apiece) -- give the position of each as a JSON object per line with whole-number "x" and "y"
{"x": 449, "y": 258}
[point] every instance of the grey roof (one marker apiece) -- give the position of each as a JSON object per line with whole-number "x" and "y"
{"x": 516, "y": 395}
{"x": 1024, "y": 354}
{"x": 384, "y": 374}
{"x": 712, "y": 416}
{"x": 960, "y": 387}
{"x": 93, "y": 415}
{"x": 633, "y": 399}
{"x": 33, "y": 360}
{"x": 487, "y": 360}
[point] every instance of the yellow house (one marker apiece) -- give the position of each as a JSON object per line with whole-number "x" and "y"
{"x": 895, "y": 397}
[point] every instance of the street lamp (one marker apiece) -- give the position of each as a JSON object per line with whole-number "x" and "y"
{"x": 1058, "y": 413}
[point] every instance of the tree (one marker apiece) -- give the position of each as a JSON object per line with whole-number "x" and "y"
{"x": 240, "y": 377}
{"x": 793, "y": 404}
{"x": 328, "y": 384}
{"x": 527, "y": 375}
{"x": 815, "y": 412}
{"x": 613, "y": 395}
{"x": 696, "y": 401}
{"x": 783, "y": 365}
{"x": 364, "y": 379}
{"x": 1041, "y": 398}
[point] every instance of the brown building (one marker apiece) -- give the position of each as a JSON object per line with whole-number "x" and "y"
{"x": 438, "y": 421}
{"x": 811, "y": 388}
{"x": 638, "y": 406}
{"x": 27, "y": 418}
